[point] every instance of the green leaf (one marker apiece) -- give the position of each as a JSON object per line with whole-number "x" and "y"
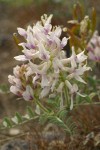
{"x": 17, "y": 41}
{"x": 92, "y": 95}
{"x": 19, "y": 117}
{"x": 93, "y": 19}
{"x": 43, "y": 118}
{"x": 30, "y": 112}
{"x": 7, "y": 122}
{"x": 63, "y": 113}
{"x": 15, "y": 120}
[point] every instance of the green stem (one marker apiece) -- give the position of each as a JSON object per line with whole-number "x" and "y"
{"x": 65, "y": 90}
{"x": 62, "y": 124}
{"x": 66, "y": 95}
{"x": 84, "y": 104}
{"x": 40, "y": 105}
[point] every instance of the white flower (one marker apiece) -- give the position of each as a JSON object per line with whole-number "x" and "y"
{"x": 77, "y": 66}
{"x": 28, "y": 93}
{"x": 16, "y": 71}
{"x": 60, "y": 87}
{"x": 43, "y": 53}
{"x": 73, "y": 89}
{"x": 44, "y": 92}
{"x": 64, "y": 42}
{"x": 21, "y": 58}
{"x": 15, "y": 90}
{"x": 22, "y": 32}
{"x": 93, "y": 47}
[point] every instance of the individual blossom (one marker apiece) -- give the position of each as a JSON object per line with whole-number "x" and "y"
{"x": 78, "y": 66}
{"x": 19, "y": 81}
{"x": 73, "y": 90}
{"x": 93, "y": 47}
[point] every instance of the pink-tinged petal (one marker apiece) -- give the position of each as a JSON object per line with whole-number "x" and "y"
{"x": 28, "y": 72}
{"x": 44, "y": 92}
{"x": 72, "y": 88}
{"x": 36, "y": 78}
{"x": 81, "y": 57}
{"x": 16, "y": 71}
{"x": 45, "y": 67}
{"x": 60, "y": 87}
{"x": 21, "y": 58}
{"x": 44, "y": 54}
{"x": 11, "y": 79}
{"x": 34, "y": 67}
{"x": 22, "y": 32}
{"x": 47, "y": 28}
{"x": 57, "y": 64}
{"x": 78, "y": 78}
{"x": 30, "y": 40}
{"x": 72, "y": 103}
{"x": 15, "y": 90}
{"x": 58, "y": 31}
{"x": 31, "y": 54}
{"x": 28, "y": 94}
{"x": 54, "y": 84}
{"x": 30, "y": 45}
{"x": 68, "y": 84}
{"x": 64, "y": 42}
{"x": 44, "y": 81}
{"x": 48, "y": 21}
{"x": 75, "y": 88}
{"x": 15, "y": 81}
{"x": 37, "y": 110}
{"x": 73, "y": 58}
{"x": 18, "y": 82}
{"x": 65, "y": 61}
{"x": 81, "y": 94}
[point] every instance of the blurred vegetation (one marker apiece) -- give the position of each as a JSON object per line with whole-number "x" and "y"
{"x": 16, "y": 2}
{"x": 62, "y": 9}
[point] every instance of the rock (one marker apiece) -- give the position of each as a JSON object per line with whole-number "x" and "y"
{"x": 16, "y": 145}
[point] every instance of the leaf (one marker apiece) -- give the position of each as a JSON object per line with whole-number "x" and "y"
{"x": 92, "y": 95}
{"x": 54, "y": 102}
{"x": 17, "y": 41}
{"x": 19, "y": 117}
{"x": 15, "y": 120}
{"x": 7, "y": 123}
{"x": 78, "y": 11}
{"x": 43, "y": 118}
{"x": 74, "y": 40}
{"x": 62, "y": 114}
{"x": 92, "y": 82}
{"x": 93, "y": 19}
{"x": 30, "y": 112}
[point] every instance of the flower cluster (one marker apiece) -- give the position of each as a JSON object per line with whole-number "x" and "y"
{"x": 46, "y": 71}
{"x": 93, "y": 47}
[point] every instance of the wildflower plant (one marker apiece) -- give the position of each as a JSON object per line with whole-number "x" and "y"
{"x": 52, "y": 83}
{"x": 46, "y": 77}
